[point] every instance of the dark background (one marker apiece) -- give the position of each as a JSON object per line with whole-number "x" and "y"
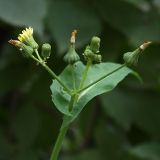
{"x": 121, "y": 125}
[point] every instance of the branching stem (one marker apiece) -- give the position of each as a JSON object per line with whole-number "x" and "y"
{"x": 40, "y": 61}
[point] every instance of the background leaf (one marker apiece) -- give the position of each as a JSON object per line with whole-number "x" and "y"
{"x": 60, "y": 23}
{"x": 138, "y": 29}
{"x": 149, "y": 150}
{"x": 23, "y": 13}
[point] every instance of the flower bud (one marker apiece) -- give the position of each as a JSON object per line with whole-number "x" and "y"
{"x": 88, "y": 54}
{"x": 71, "y": 56}
{"x": 95, "y": 44}
{"x": 92, "y": 50}
{"x": 97, "y": 58}
{"x": 46, "y": 50}
{"x": 26, "y": 50}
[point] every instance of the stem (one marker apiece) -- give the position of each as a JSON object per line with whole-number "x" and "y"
{"x": 62, "y": 133}
{"x": 56, "y": 77}
{"x": 36, "y": 51}
{"x": 84, "y": 76}
{"x": 108, "y": 74}
{"x": 71, "y": 103}
{"x": 58, "y": 143}
{"x": 52, "y": 74}
{"x": 73, "y": 77}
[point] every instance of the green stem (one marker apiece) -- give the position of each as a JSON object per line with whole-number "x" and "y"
{"x": 62, "y": 133}
{"x": 36, "y": 51}
{"x": 108, "y": 74}
{"x": 73, "y": 77}
{"x": 52, "y": 74}
{"x": 84, "y": 76}
{"x": 71, "y": 104}
{"x": 58, "y": 143}
{"x": 56, "y": 77}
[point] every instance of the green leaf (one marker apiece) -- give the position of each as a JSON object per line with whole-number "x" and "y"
{"x": 65, "y": 16}
{"x": 23, "y": 12}
{"x": 114, "y": 13}
{"x": 61, "y": 98}
{"x": 150, "y": 151}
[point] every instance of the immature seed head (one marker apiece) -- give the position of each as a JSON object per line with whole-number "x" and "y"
{"x": 131, "y": 58}
{"x": 71, "y": 56}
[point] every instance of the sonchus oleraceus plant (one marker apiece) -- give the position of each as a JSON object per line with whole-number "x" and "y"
{"x": 79, "y": 82}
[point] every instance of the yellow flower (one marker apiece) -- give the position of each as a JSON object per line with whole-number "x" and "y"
{"x": 26, "y": 34}
{"x": 26, "y": 37}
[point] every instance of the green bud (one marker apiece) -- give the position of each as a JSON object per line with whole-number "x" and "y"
{"x": 71, "y": 56}
{"x": 88, "y": 54}
{"x": 95, "y": 44}
{"x": 27, "y": 51}
{"x": 46, "y": 50}
{"x": 92, "y": 50}
{"x": 97, "y": 58}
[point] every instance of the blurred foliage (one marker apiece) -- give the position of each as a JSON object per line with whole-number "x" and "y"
{"x": 121, "y": 125}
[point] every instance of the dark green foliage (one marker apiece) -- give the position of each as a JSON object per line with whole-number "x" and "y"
{"x": 120, "y": 125}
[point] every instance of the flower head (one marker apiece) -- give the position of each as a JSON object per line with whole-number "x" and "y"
{"x": 26, "y": 37}
{"x": 25, "y": 42}
{"x": 26, "y": 34}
